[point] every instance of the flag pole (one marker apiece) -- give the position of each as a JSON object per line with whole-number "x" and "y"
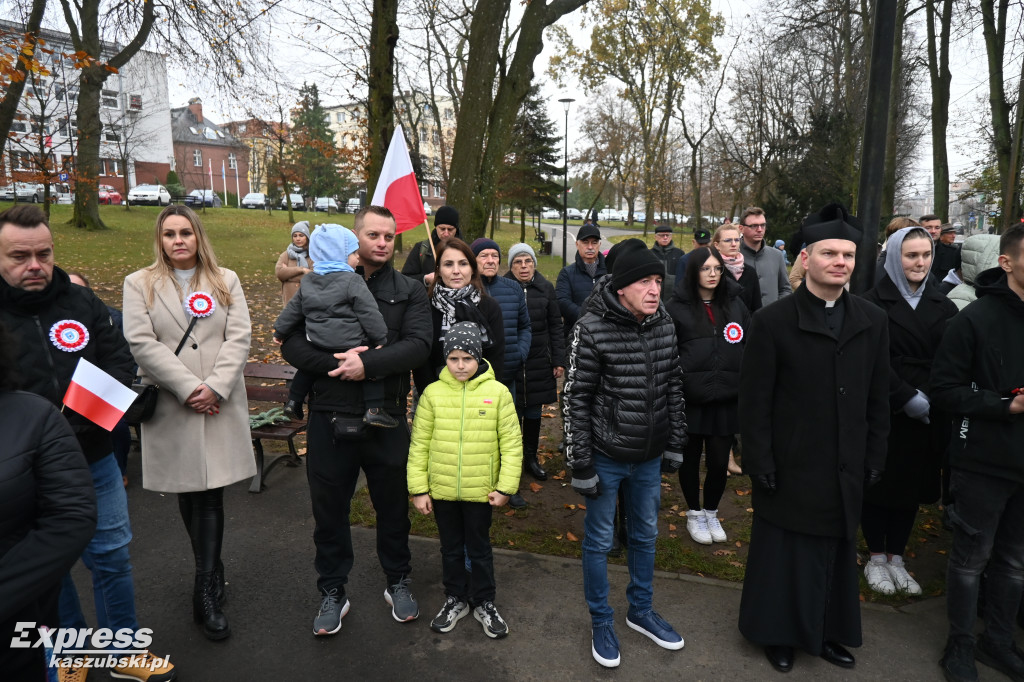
{"x": 430, "y": 240}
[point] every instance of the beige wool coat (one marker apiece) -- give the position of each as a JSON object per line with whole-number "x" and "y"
{"x": 290, "y": 274}
{"x": 183, "y": 451}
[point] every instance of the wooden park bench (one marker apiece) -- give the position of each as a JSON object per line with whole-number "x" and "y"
{"x": 285, "y": 431}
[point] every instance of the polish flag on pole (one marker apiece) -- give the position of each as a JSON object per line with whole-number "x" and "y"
{"x": 210, "y": 165}
{"x": 97, "y": 396}
{"x": 397, "y": 189}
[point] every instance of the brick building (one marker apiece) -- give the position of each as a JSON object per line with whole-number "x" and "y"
{"x": 203, "y": 149}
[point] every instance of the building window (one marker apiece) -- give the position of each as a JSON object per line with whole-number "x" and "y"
{"x": 110, "y": 167}
{"x": 19, "y": 127}
{"x": 435, "y": 137}
{"x": 340, "y": 117}
{"x": 423, "y": 190}
{"x": 197, "y": 158}
{"x": 437, "y": 191}
{"x": 232, "y": 161}
{"x": 449, "y": 114}
{"x": 108, "y": 99}
{"x": 112, "y": 133}
{"x": 23, "y": 161}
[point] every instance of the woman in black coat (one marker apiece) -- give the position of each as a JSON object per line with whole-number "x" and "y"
{"x": 458, "y": 295}
{"x": 47, "y": 514}
{"x": 711, "y": 321}
{"x": 918, "y": 314}
{"x": 546, "y": 361}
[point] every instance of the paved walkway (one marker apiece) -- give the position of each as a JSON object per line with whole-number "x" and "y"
{"x": 272, "y": 600}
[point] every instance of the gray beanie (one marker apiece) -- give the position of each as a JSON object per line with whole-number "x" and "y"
{"x": 520, "y": 248}
{"x": 464, "y": 336}
{"x": 301, "y": 226}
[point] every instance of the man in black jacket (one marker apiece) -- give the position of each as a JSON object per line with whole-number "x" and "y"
{"x": 420, "y": 263}
{"x": 623, "y": 419}
{"x": 576, "y": 280}
{"x": 338, "y": 446}
{"x": 978, "y": 376}
{"x": 669, "y": 255}
{"x": 55, "y": 324}
{"x": 814, "y": 400}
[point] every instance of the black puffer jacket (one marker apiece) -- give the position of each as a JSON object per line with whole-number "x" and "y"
{"x": 47, "y": 505}
{"x": 623, "y": 392}
{"x": 45, "y": 369}
{"x": 977, "y": 365}
{"x": 547, "y": 347}
{"x": 710, "y": 363}
{"x": 403, "y": 303}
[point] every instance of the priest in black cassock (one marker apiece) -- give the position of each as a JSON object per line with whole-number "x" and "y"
{"x": 814, "y": 413}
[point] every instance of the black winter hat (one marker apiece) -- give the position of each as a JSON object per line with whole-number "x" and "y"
{"x": 635, "y": 264}
{"x": 464, "y": 336}
{"x": 662, "y": 228}
{"x": 832, "y": 221}
{"x": 620, "y": 248}
{"x": 588, "y": 232}
{"x": 446, "y": 215}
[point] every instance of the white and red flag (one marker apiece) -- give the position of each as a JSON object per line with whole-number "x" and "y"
{"x": 397, "y": 189}
{"x": 97, "y": 396}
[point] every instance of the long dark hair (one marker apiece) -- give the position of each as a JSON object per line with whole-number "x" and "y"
{"x": 463, "y": 247}
{"x": 691, "y": 284}
{"x": 8, "y": 365}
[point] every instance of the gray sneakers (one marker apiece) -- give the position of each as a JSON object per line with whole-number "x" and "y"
{"x": 403, "y": 605}
{"x": 332, "y": 610}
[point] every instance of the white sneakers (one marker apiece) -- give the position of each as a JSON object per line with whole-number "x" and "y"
{"x": 888, "y": 577}
{"x": 704, "y": 527}
{"x": 901, "y": 578}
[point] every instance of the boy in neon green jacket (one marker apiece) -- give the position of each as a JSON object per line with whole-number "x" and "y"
{"x": 465, "y": 457}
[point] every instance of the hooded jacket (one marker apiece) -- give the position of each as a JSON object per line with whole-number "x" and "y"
{"x": 46, "y": 369}
{"x": 421, "y": 258}
{"x": 623, "y": 392}
{"x": 980, "y": 252}
{"x": 465, "y": 440}
{"x": 977, "y": 365}
{"x": 710, "y": 362}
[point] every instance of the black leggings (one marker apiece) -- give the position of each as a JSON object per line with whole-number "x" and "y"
{"x": 887, "y": 530}
{"x": 717, "y": 455}
{"x": 203, "y": 514}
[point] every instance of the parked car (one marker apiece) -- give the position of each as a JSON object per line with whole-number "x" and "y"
{"x": 29, "y": 192}
{"x": 574, "y": 214}
{"x": 550, "y": 214}
{"x": 326, "y": 205}
{"x": 157, "y": 195}
{"x": 203, "y": 197}
{"x": 109, "y": 195}
{"x": 296, "y": 200}
{"x": 352, "y": 206}
{"x": 610, "y": 214}
{"x": 428, "y": 209}
{"x": 255, "y": 200}
{"x": 639, "y": 217}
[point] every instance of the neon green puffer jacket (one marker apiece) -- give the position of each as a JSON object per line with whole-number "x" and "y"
{"x": 466, "y": 440}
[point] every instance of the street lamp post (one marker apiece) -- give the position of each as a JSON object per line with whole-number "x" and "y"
{"x": 566, "y": 101}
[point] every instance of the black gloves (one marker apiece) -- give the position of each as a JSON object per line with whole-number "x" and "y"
{"x": 765, "y": 482}
{"x": 586, "y": 487}
{"x": 871, "y": 477}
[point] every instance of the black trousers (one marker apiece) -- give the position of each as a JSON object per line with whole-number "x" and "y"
{"x": 887, "y": 530}
{"x": 203, "y": 515}
{"x": 465, "y": 531}
{"x": 332, "y": 468}
{"x": 716, "y": 454}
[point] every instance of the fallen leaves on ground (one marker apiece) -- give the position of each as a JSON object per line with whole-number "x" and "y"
{"x": 560, "y": 476}
{"x": 536, "y": 487}
{"x": 671, "y": 526}
{"x": 724, "y": 552}
{"x": 570, "y": 506}
{"x": 739, "y": 544}
{"x": 571, "y": 538}
{"x": 737, "y": 564}
{"x": 510, "y": 512}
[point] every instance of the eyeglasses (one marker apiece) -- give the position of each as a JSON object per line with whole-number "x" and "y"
{"x": 717, "y": 269}
{"x": 760, "y": 226}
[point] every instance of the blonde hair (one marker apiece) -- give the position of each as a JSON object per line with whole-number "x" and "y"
{"x": 207, "y": 273}
{"x": 899, "y": 223}
{"x": 722, "y": 228}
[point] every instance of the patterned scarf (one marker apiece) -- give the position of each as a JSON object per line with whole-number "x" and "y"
{"x": 735, "y": 264}
{"x": 446, "y": 299}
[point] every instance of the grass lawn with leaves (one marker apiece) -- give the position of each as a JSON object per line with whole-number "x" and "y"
{"x": 249, "y": 242}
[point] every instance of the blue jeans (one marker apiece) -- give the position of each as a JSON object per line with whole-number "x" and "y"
{"x": 641, "y": 484}
{"x": 106, "y": 557}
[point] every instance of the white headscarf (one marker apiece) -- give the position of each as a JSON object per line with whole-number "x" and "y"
{"x": 894, "y": 266}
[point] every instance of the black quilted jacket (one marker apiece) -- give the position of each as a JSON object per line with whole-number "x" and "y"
{"x": 623, "y": 393}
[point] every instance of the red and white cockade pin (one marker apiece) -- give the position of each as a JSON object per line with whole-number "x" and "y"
{"x": 201, "y": 304}
{"x": 69, "y": 335}
{"x": 733, "y": 332}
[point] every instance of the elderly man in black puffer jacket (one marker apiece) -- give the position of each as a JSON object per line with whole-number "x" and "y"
{"x": 623, "y": 420}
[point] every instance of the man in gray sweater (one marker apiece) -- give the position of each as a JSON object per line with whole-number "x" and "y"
{"x": 769, "y": 263}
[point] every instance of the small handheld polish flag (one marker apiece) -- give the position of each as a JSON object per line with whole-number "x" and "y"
{"x": 97, "y": 396}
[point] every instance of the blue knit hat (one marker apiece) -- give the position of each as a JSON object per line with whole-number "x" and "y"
{"x": 484, "y": 243}
{"x": 330, "y": 246}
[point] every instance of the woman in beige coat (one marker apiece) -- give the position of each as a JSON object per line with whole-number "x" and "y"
{"x": 294, "y": 263}
{"x": 197, "y": 441}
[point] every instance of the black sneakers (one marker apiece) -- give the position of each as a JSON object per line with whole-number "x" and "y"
{"x": 958, "y": 660}
{"x": 1008, "y": 660}
{"x": 449, "y": 615}
{"x": 494, "y": 626}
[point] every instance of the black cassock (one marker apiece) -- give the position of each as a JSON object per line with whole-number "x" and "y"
{"x": 814, "y": 411}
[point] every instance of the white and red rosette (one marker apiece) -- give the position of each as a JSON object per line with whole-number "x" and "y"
{"x": 201, "y": 304}
{"x": 69, "y": 335}
{"x": 733, "y": 332}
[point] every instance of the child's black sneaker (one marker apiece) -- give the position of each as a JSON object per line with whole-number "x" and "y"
{"x": 378, "y": 417}
{"x": 494, "y": 626}
{"x": 293, "y": 410}
{"x": 449, "y": 615}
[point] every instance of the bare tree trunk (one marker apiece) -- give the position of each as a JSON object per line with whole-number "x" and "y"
{"x": 895, "y": 90}
{"x": 11, "y": 98}
{"x": 1011, "y": 193}
{"x": 994, "y": 30}
{"x": 381, "y": 96}
{"x": 938, "y": 70}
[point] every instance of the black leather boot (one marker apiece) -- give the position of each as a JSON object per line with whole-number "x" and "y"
{"x": 218, "y": 584}
{"x": 205, "y": 609}
{"x": 531, "y": 441}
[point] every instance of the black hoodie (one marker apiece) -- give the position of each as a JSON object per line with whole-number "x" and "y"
{"x": 979, "y": 363}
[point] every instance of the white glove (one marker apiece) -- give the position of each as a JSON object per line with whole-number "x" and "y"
{"x": 918, "y": 407}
